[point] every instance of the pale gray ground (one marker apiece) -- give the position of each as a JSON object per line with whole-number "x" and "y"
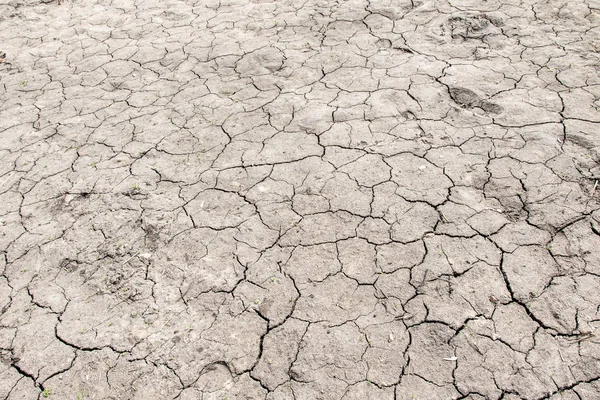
{"x": 300, "y": 199}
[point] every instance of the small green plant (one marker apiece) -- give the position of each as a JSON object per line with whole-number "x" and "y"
{"x": 46, "y": 393}
{"x": 136, "y": 187}
{"x": 23, "y": 83}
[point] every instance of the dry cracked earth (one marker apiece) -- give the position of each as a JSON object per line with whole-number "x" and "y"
{"x": 316, "y": 199}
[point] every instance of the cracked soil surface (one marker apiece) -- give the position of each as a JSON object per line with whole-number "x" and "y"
{"x": 315, "y": 199}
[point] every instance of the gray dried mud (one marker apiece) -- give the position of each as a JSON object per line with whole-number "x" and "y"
{"x": 317, "y": 199}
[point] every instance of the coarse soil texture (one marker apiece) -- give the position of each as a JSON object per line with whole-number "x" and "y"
{"x": 300, "y": 199}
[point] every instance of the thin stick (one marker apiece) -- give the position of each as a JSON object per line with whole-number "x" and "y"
{"x": 130, "y": 258}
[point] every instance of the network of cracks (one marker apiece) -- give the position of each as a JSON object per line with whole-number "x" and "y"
{"x": 316, "y": 199}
